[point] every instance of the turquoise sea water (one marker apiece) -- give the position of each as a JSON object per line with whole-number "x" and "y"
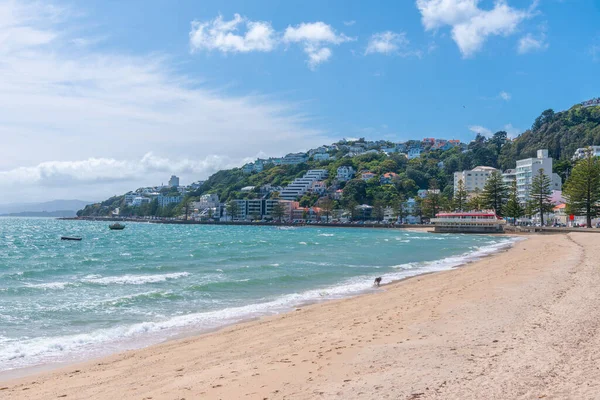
{"x": 65, "y": 301}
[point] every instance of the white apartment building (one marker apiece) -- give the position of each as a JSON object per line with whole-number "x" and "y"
{"x": 414, "y": 152}
{"x": 528, "y": 168}
{"x": 164, "y": 201}
{"x": 473, "y": 179}
{"x": 260, "y": 208}
{"x": 138, "y": 201}
{"x": 129, "y": 197}
{"x": 345, "y": 173}
{"x": 321, "y": 157}
{"x": 301, "y": 185}
{"x": 207, "y": 201}
{"x": 580, "y": 153}
{"x": 509, "y": 176}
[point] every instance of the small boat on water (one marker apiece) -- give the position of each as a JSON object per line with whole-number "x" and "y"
{"x": 116, "y": 226}
{"x": 70, "y": 238}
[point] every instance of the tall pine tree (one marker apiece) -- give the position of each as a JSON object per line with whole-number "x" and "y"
{"x": 495, "y": 193}
{"x": 582, "y": 189}
{"x": 513, "y": 208}
{"x": 460, "y": 196}
{"x": 539, "y": 195}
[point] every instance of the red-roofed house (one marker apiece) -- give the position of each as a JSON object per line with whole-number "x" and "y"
{"x": 387, "y": 178}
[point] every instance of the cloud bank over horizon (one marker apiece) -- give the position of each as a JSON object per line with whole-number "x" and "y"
{"x": 75, "y": 114}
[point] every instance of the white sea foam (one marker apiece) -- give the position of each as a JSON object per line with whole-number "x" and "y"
{"x": 326, "y": 234}
{"x": 134, "y": 279}
{"x": 27, "y": 352}
{"x": 49, "y": 285}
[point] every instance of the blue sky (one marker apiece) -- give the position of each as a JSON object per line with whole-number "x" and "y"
{"x": 103, "y": 96}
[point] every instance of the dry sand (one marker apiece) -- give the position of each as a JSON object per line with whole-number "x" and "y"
{"x": 522, "y": 324}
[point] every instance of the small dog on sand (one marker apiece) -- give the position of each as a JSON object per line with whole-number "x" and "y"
{"x": 377, "y": 282}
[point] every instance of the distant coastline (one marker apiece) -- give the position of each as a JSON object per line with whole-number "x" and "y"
{"x": 246, "y": 223}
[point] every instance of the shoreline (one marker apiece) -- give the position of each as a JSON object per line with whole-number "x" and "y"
{"x": 192, "y": 332}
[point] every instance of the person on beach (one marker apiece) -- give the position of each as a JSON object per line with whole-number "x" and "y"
{"x": 377, "y": 282}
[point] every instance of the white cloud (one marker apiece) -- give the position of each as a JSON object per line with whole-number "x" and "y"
{"x": 471, "y": 25}
{"x": 512, "y": 131}
{"x": 387, "y": 42}
{"x": 505, "y": 96}
{"x": 480, "y": 129}
{"x": 315, "y": 37}
{"x": 60, "y": 103}
{"x": 530, "y": 43}
{"x": 349, "y": 23}
{"x": 223, "y": 35}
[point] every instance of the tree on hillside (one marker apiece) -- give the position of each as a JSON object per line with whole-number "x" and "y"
{"x": 495, "y": 192}
{"x": 582, "y": 189}
{"x": 355, "y": 190}
{"x": 539, "y": 196}
{"x": 460, "y": 196}
{"x": 513, "y": 208}
{"x": 232, "y": 209}
{"x": 278, "y": 211}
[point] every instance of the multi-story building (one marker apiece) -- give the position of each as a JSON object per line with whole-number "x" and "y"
{"x": 414, "y": 152}
{"x": 301, "y": 185}
{"x": 262, "y": 208}
{"x": 528, "y": 168}
{"x": 164, "y": 201}
{"x": 345, "y": 173}
{"x": 129, "y": 197}
{"x": 294, "y": 158}
{"x": 509, "y": 176}
{"x": 321, "y": 157}
{"x": 473, "y": 179}
{"x": 174, "y": 181}
{"x": 581, "y": 152}
{"x": 138, "y": 201}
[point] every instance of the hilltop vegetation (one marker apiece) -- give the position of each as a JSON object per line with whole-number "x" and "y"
{"x": 561, "y": 133}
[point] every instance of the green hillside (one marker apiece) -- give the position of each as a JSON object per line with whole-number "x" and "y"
{"x": 561, "y": 133}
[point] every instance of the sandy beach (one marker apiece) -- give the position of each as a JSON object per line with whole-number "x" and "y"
{"x": 521, "y": 324}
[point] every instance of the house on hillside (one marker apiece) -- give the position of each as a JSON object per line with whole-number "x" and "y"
{"x": 387, "y": 178}
{"x": 367, "y": 175}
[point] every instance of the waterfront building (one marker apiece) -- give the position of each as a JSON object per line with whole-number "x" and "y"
{"x": 509, "y": 176}
{"x": 468, "y": 222}
{"x": 581, "y": 152}
{"x": 528, "y": 168}
{"x": 345, "y": 173}
{"x": 164, "y": 201}
{"x": 473, "y": 179}
{"x": 174, "y": 181}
